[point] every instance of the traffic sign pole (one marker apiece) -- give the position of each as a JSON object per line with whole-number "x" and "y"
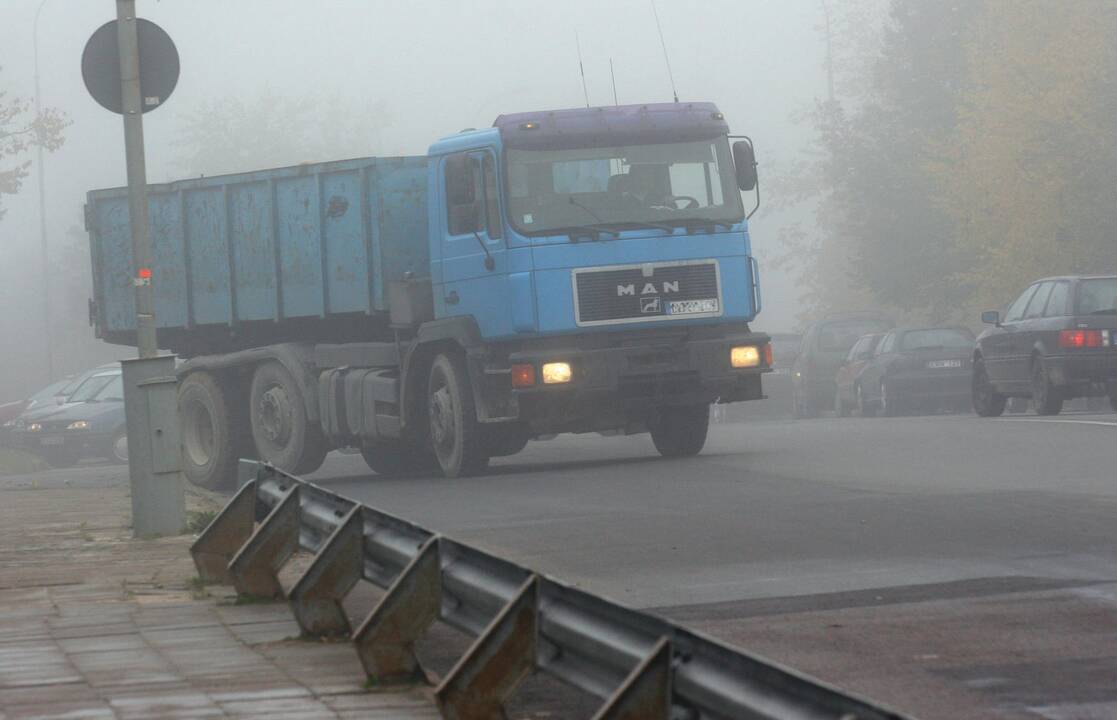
{"x": 132, "y": 99}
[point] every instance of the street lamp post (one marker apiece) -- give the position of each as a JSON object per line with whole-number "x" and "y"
{"x": 43, "y": 248}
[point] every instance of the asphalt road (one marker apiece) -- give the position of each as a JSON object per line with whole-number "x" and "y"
{"x": 949, "y": 565}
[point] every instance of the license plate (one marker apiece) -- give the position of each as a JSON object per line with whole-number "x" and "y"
{"x": 691, "y": 307}
{"x": 51, "y": 441}
{"x": 936, "y": 364}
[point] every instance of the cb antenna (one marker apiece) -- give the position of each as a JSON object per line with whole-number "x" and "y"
{"x": 666, "y": 59}
{"x": 614, "y": 78}
{"x": 582, "y": 68}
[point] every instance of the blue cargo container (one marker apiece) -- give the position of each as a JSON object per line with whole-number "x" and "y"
{"x": 237, "y": 251}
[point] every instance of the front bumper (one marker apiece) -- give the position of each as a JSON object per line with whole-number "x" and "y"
{"x": 618, "y": 384}
{"x": 80, "y": 443}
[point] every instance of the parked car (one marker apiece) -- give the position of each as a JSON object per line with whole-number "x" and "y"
{"x": 849, "y": 374}
{"x": 825, "y": 347}
{"x": 89, "y": 424}
{"x": 918, "y": 369}
{"x": 1058, "y": 340}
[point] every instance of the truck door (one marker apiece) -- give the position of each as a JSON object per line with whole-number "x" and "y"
{"x": 474, "y": 256}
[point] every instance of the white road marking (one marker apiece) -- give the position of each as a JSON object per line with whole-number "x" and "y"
{"x": 1060, "y": 422}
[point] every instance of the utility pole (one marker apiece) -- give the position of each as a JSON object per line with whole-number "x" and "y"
{"x": 137, "y": 174}
{"x": 829, "y": 53}
{"x": 44, "y": 253}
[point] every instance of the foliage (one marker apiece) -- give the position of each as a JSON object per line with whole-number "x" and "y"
{"x": 20, "y": 131}
{"x": 977, "y": 155}
{"x": 234, "y": 134}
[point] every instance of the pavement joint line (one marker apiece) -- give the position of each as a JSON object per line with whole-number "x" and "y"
{"x": 1053, "y": 421}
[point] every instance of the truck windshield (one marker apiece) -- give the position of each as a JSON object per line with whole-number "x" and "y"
{"x": 620, "y": 187}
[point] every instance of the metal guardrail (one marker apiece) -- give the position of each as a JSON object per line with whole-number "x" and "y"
{"x": 639, "y": 665}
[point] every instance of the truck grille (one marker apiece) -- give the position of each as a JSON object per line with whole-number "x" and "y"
{"x": 642, "y": 293}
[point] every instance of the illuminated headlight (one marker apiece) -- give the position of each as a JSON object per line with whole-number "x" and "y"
{"x": 78, "y": 425}
{"x": 556, "y": 373}
{"x": 34, "y": 427}
{"x": 746, "y": 356}
{"x": 10, "y": 424}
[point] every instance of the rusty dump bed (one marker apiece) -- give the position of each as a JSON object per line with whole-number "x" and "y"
{"x": 292, "y": 253}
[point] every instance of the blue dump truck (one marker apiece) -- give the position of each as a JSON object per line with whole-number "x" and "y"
{"x": 582, "y": 270}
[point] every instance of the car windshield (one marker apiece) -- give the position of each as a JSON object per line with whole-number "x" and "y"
{"x": 90, "y": 388}
{"x": 50, "y": 391}
{"x": 1097, "y": 297}
{"x": 621, "y": 187}
{"x": 840, "y": 336}
{"x": 937, "y": 338}
{"x": 112, "y": 391}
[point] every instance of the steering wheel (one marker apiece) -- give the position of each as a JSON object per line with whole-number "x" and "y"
{"x": 691, "y": 202}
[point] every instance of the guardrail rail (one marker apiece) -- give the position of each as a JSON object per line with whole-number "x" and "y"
{"x": 639, "y": 665}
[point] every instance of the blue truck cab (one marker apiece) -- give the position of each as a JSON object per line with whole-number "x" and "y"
{"x": 584, "y": 270}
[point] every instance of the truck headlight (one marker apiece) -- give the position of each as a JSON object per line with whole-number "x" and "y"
{"x": 745, "y": 356}
{"x": 34, "y": 427}
{"x": 556, "y": 373}
{"x": 78, "y": 425}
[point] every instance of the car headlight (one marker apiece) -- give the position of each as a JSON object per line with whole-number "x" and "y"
{"x": 10, "y": 424}
{"x": 78, "y": 425}
{"x": 34, "y": 427}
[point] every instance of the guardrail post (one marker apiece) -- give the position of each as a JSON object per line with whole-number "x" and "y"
{"x": 316, "y": 597}
{"x": 386, "y": 639}
{"x": 255, "y": 568}
{"x": 646, "y": 692}
{"x": 224, "y": 536}
{"x": 501, "y": 657}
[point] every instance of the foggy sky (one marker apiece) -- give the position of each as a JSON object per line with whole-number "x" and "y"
{"x": 438, "y": 67}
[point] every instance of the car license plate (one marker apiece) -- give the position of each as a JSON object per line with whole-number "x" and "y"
{"x": 936, "y": 364}
{"x": 51, "y": 440}
{"x": 692, "y": 307}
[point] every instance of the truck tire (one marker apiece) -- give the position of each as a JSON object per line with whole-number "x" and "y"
{"x": 455, "y": 434}
{"x": 209, "y": 457}
{"x": 398, "y": 459}
{"x": 680, "y": 431}
{"x": 284, "y": 435}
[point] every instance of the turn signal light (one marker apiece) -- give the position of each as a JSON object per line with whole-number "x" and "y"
{"x": 523, "y": 375}
{"x": 768, "y": 355}
{"x": 556, "y": 373}
{"x": 1081, "y": 339}
{"x": 746, "y": 356}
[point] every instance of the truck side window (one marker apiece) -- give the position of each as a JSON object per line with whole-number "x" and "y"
{"x": 463, "y": 194}
{"x": 492, "y": 197}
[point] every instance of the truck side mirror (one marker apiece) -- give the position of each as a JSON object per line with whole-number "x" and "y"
{"x": 744, "y": 159}
{"x": 991, "y": 317}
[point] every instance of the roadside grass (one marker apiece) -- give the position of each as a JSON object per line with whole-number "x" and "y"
{"x": 18, "y": 462}
{"x": 199, "y": 520}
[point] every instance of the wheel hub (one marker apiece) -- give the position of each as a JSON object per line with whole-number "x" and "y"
{"x": 441, "y": 417}
{"x": 274, "y": 413}
{"x": 198, "y": 435}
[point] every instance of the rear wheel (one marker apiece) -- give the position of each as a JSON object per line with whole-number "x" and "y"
{"x": 987, "y": 402}
{"x": 840, "y": 407}
{"x": 455, "y": 434}
{"x": 118, "y": 447}
{"x": 398, "y": 459}
{"x": 680, "y": 431}
{"x": 889, "y": 405}
{"x": 864, "y": 407}
{"x": 1047, "y": 398}
{"x": 209, "y": 455}
{"x": 284, "y": 435}
{"x": 803, "y": 407}
{"x": 1113, "y": 400}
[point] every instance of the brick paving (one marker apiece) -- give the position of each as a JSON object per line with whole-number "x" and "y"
{"x": 94, "y": 624}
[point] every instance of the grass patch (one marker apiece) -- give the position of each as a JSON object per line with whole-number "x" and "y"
{"x": 199, "y": 520}
{"x": 18, "y": 462}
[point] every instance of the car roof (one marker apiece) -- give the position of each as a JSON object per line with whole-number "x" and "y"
{"x": 1075, "y": 277}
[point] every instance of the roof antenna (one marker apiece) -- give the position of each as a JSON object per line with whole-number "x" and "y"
{"x": 581, "y": 68}
{"x": 614, "y": 77}
{"x": 666, "y": 59}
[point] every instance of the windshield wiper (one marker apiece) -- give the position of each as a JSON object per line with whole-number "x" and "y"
{"x": 592, "y": 231}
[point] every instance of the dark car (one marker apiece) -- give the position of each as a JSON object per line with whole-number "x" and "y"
{"x": 849, "y": 374}
{"x": 1057, "y": 341}
{"x": 823, "y": 350}
{"x": 918, "y": 369}
{"x": 89, "y": 424}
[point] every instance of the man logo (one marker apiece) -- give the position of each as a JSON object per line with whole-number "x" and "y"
{"x": 650, "y": 305}
{"x": 648, "y": 289}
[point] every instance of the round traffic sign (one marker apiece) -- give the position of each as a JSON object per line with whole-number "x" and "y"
{"x": 100, "y": 66}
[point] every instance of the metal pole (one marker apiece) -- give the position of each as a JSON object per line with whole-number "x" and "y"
{"x": 43, "y": 250}
{"x": 137, "y": 174}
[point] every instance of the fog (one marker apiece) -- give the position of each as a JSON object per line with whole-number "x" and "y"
{"x": 421, "y": 69}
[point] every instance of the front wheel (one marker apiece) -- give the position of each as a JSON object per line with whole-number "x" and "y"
{"x": 680, "y": 431}
{"x": 118, "y": 447}
{"x": 455, "y": 434}
{"x": 987, "y": 402}
{"x": 1047, "y": 398}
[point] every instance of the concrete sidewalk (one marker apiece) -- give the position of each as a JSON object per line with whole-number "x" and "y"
{"x": 94, "y": 624}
